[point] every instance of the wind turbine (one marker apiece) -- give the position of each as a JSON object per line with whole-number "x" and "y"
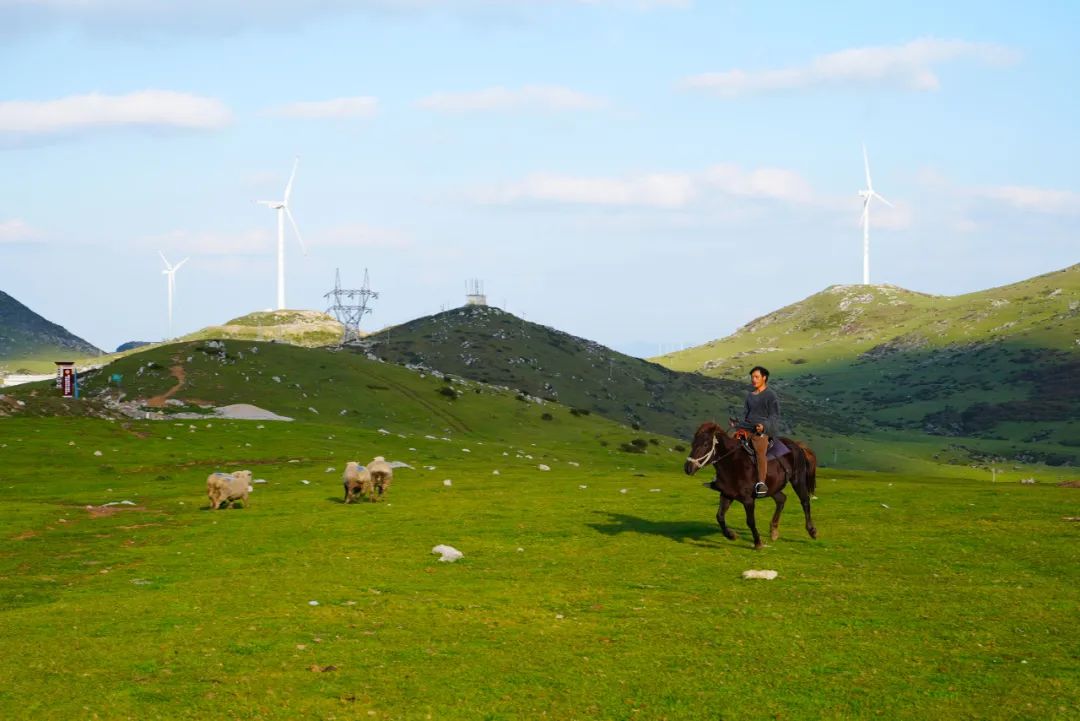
{"x": 282, "y": 208}
{"x": 867, "y": 195}
{"x": 170, "y": 270}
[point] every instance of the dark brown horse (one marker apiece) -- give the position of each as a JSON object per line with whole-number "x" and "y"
{"x": 736, "y": 474}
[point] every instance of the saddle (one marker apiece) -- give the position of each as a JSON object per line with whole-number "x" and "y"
{"x": 776, "y": 446}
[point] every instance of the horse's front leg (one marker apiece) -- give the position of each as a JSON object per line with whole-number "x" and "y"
{"x": 748, "y": 503}
{"x": 725, "y": 504}
{"x": 774, "y": 527}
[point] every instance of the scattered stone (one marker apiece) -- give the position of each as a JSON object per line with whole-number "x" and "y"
{"x": 448, "y": 554}
{"x": 766, "y": 575}
{"x": 447, "y": 482}
{"x": 544, "y": 467}
{"x": 97, "y": 453}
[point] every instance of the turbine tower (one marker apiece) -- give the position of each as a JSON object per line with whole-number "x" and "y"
{"x": 867, "y": 195}
{"x": 282, "y": 208}
{"x": 170, "y": 270}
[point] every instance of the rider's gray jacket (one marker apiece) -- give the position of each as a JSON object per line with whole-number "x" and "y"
{"x": 763, "y": 408}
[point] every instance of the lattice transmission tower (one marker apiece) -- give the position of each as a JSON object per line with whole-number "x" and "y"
{"x": 349, "y": 306}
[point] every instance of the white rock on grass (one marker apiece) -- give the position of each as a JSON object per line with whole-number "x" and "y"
{"x": 448, "y": 554}
{"x": 765, "y": 575}
{"x": 622, "y": 490}
{"x": 447, "y": 482}
{"x": 583, "y": 487}
{"x": 544, "y": 467}
{"x": 330, "y": 469}
{"x": 384, "y": 431}
{"x": 97, "y": 453}
{"x": 495, "y": 472}
{"x": 306, "y": 482}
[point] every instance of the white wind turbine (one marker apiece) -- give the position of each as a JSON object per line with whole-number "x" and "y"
{"x": 867, "y": 195}
{"x": 282, "y": 208}
{"x": 170, "y": 270}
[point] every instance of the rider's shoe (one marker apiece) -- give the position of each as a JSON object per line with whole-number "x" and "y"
{"x": 760, "y": 490}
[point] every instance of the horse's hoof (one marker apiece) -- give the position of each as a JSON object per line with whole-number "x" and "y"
{"x": 731, "y": 535}
{"x": 758, "y": 546}
{"x": 775, "y": 534}
{"x": 813, "y": 533}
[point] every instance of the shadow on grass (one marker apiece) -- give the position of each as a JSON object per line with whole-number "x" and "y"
{"x": 678, "y": 531}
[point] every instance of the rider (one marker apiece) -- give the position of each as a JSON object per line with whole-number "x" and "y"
{"x": 762, "y": 417}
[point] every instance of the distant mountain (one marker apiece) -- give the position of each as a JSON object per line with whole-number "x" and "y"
{"x": 490, "y": 345}
{"x": 999, "y": 363}
{"x": 26, "y": 336}
{"x": 131, "y": 345}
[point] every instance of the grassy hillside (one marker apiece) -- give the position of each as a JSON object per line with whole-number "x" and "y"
{"x": 496, "y": 347}
{"x": 1000, "y": 364}
{"x": 600, "y": 589}
{"x": 31, "y": 343}
{"x": 306, "y": 328}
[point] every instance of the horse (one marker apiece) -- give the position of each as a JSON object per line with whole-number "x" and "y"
{"x": 736, "y": 474}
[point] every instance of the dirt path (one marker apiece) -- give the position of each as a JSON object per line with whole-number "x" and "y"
{"x": 177, "y": 373}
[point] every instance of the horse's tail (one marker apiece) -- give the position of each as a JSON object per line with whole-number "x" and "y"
{"x": 811, "y": 470}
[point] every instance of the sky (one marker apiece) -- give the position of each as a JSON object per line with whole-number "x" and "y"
{"x": 649, "y": 174}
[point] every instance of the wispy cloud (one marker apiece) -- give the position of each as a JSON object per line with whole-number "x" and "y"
{"x": 82, "y": 113}
{"x": 18, "y": 232}
{"x": 223, "y": 17}
{"x": 910, "y": 66}
{"x": 528, "y": 97}
{"x": 359, "y": 235}
{"x": 355, "y": 107}
{"x": 658, "y": 190}
{"x": 182, "y": 243}
{"x": 1036, "y": 200}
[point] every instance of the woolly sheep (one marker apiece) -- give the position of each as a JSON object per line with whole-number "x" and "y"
{"x": 357, "y": 481}
{"x": 382, "y": 473}
{"x": 228, "y": 487}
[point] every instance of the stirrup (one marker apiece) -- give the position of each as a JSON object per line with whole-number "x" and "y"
{"x": 760, "y": 490}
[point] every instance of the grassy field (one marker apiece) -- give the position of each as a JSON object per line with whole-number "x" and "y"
{"x": 924, "y": 597}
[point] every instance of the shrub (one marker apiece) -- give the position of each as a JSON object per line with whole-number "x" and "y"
{"x": 639, "y": 442}
{"x": 547, "y": 417}
{"x": 448, "y": 392}
{"x": 580, "y": 411}
{"x": 631, "y": 448}
{"x": 680, "y": 447}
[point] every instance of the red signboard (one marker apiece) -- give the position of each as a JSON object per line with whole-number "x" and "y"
{"x": 67, "y": 382}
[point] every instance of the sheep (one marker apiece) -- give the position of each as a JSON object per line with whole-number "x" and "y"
{"x": 228, "y": 487}
{"x": 382, "y": 473}
{"x": 357, "y": 481}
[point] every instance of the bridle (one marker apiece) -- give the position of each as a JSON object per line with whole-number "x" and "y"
{"x": 703, "y": 460}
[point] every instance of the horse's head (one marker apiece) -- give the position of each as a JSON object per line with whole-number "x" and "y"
{"x": 703, "y": 447}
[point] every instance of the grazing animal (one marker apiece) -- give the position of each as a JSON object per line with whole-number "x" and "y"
{"x": 228, "y": 487}
{"x": 357, "y": 481}
{"x": 382, "y": 473}
{"x": 736, "y": 474}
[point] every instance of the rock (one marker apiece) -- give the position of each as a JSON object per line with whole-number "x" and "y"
{"x": 766, "y": 575}
{"x": 448, "y": 554}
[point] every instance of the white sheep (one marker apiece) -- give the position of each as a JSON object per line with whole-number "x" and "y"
{"x": 357, "y": 481}
{"x": 228, "y": 487}
{"x": 382, "y": 473}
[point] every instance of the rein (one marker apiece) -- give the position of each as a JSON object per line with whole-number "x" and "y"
{"x": 700, "y": 462}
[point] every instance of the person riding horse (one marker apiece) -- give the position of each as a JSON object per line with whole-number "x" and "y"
{"x": 761, "y": 421}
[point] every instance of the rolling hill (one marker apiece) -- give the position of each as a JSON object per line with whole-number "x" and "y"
{"x": 999, "y": 364}
{"x": 29, "y": 341}
{"x": 487, "y": 344}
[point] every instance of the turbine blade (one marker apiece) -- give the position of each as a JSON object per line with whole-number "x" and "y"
{"x": 866, "y": 164}
{"x": 883, "y": 200}
{"x": 288, "y": 188}
{"x": 181, "y": 263}
{"x": 167, "y": 263}
{"x": 296, "y": 229}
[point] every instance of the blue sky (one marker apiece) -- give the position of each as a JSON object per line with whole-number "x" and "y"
{"x": 647, "y": 174}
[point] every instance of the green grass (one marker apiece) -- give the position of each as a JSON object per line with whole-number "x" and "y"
{"x": 959, "y": 599}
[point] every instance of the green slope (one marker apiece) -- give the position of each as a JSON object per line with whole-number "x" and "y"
{"x": 29, "y": 341}
{"x": 997, "y": 364}
{"x": 490, "y": 345}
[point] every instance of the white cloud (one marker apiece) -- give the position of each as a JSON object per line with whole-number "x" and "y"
{"x": 660, "y": 190}
{"x": 355, "y": 107}
{"x": 222, "y": 17}
{"x": 657, "y": 190}
{"x": 17, "y": 231}
{"x": 147, "y": 108}
{"x": 178, "y": 244}
{"x": 1037, "y": 200}
{"x": 359, "y": 235}
{"x": 909, "y": 66}
{"x": 528, "y": 97}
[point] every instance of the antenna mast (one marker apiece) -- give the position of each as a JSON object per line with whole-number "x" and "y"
{"x": 349, "y": 306}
